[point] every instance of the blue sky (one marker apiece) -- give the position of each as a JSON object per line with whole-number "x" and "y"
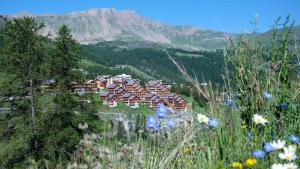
{"x": 227, "y": 15}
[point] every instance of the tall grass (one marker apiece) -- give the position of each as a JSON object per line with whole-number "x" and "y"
{"x": 251, "y": 68}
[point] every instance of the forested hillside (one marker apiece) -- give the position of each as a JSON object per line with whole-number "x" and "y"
{"x": 154, "y": 61}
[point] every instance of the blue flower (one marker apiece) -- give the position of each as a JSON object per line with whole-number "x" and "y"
{"x": 157, "y": 127}
{"x": 231, "y": 105}
{"x": 268, "y": 147}
{"x": 171, "y": 123}
{"x": 161, "y": 114}
{"x": 161, "y": 111}
{"x": 152, "y": 123}
{"x": 268, "y": 95}
{"x": 258, "y": 153}
{"x": 161, "y": 108}
{"x": 249, "y": 136}
{"x": 283, "y": 106}
{"x": 294, "y": 139}
{"x": 213, "y": 123}
{"x": 226, "y": 100}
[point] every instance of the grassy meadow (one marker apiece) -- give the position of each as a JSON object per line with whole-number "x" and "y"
{"x": 253, "y": 121}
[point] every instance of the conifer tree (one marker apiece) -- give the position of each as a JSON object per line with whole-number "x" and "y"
{"x": 65, "y": 61}
{"x": 22, "y": 58}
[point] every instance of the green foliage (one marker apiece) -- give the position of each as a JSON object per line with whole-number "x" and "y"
{"x": 257, "y": 69}
{"x": 52, "y": 133}
{"x": 66, "y": 58}
{"x": 154, "y": 61}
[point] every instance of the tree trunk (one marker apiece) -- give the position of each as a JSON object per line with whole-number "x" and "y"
{"x": 33, "y": 111}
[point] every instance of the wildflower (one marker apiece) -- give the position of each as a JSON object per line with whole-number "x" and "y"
{"x": 268, "y": 95}
{"x": 259, "y": 119}
{"x": 202, "y": 118}
{"x": 249, "y": 136}
{"x": 282, "y": 106}
{"x": 83, "y": 126}
{"x": 162, "y": 108}
{"x": 237, "y": 165}
{"x": 232, "y": 105}
{"x": 251, "y": 162}
{"x": 278, "y": 145}
{"x": 73, "y": 165}
{"x": 152, "y": 123}
{"x": 171, "y": 123}
{"x": 189, "y": 163}
{"x": 294, "y": 139}
{"x": 289, "y": 153}
{"x": 187, "y": 150}
{"x": 278, "y": 166}
{"x": 161, "y": 114}
{"x": 290, "y": 166}
{"x": 268, "y": 147}
{"x": 258, "y": 153}
{"x": 213, "y": 123}
{"x": 244, "y": 125}
{"x": 82, "y": 166}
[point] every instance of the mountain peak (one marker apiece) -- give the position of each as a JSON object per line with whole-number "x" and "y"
{"x": 99, "y": 11}
{"x": 109, "y": 24}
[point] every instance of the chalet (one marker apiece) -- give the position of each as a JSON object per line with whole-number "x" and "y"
{"x": 109, "y": 99}
{"x": 131, "y": 100}
{"x": 102, "y": 83}
{"x": 96, "y": 85}
{"x": 149, "y": 97}
{"x": 126, "y": 97}
{"x": 177, "y": 102}
{"x": 112, "y": 88}
{"x": 155, "y": 102}
{"x": 120, "y": 92}
{"x": 123, "y": 76}
{"x": 152, "y": 100}
{"x": 118, "y": 82}
{"x": 162, "y": 91}
{"x": 151, "y": 86}
{"x": 108, "y": 78}
{"x": 158, "y": 88}
{"x": 141, "y": 93}
{"x": 78, "y": 88}
{"x": 131, "y": 85}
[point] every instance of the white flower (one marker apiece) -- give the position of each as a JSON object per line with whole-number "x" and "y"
{"x": 72, "y": 166}
{"x": 278, "y": 145}
{"x": 202, "y": 118}
{"x": 290, "y": 166}
{"x": 278, "y": 166}
{"x": 259, "y": 119}
{"x": 83, "y": 126}
{"x": 82, "y": 166}
{"x": 289, "y": 153}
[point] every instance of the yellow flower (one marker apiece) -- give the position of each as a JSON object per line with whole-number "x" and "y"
{"x": 251, "y": 162}
{"x": 189, "y": 163}
{"x": 244, "y": 125}
{"x": 187, "y": 150}
{"x": 237, "y": 165}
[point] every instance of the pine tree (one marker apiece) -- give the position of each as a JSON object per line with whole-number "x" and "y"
{"x": 23, "y": 58}
{"x": 65, "y": 61}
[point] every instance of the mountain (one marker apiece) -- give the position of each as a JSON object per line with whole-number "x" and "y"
{"x": 106, "y": 24}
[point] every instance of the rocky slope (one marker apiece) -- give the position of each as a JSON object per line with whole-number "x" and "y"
{"x": 105, "y": 24}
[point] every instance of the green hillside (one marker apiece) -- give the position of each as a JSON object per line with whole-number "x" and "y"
{"x": 153, "y": 63}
